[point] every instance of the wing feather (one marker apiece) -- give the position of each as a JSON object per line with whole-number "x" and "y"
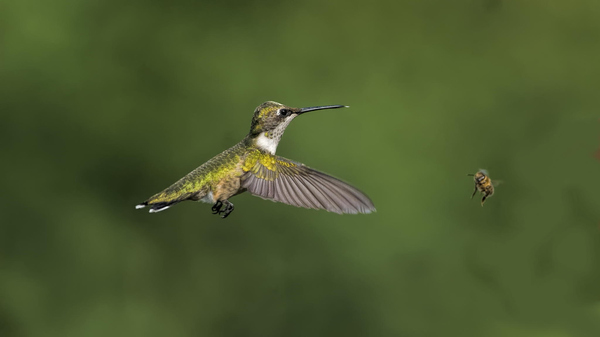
{"x": 294, "y": 198}
{"x": 344, "y": 201}
{"x": 282, "y": 191}
{"x": 346, "y": 191}
{"x": 293, "y": 183}
{"x": 320, "y": 196}
{"x": 304, "y": 194}
{"x": 331, "y": 201}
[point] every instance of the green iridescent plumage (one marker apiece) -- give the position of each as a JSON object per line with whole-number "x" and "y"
{"x": 197, "y": 184}
{"x": 251, "y": 165}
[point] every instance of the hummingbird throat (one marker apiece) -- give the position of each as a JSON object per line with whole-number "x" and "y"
{"x": 268, "y": 140}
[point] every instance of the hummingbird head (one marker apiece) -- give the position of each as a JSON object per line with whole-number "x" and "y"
{"x": 270, "y": 120}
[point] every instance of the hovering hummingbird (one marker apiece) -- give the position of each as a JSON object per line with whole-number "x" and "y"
{"x": 251, "y": 165}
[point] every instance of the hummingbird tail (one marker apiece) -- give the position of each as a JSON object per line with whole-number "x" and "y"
{"x": 157, "y": 207}
{"x": 167, "y": 198}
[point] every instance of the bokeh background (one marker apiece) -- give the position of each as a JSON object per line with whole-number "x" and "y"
{"x": 104, "y": 103}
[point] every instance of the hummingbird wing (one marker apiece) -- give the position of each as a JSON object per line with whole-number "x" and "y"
{"x": 283, "y": 180}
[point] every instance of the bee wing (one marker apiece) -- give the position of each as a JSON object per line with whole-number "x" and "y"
{"x": 293, "y": 183}
{"x": 497, "y": 182}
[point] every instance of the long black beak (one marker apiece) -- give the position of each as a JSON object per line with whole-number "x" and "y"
{"x": 313, "y": 108}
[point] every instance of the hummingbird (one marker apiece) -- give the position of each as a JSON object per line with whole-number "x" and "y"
{"x": 251, "y": 165}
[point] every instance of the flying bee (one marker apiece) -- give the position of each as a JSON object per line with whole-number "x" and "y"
{"x": 484, "y": 184}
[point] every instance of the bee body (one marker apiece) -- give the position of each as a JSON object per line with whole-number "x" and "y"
{"x": 483, "y": 184}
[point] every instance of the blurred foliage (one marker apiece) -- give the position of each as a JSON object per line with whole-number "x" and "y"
{"x": 104, "y": 103}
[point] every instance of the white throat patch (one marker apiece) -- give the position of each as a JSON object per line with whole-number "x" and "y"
{"x": 267, "y": 144}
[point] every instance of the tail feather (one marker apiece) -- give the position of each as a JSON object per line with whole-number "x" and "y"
{"x": 156, "y": 210}
{"x": 157, "y": 206}
{"x": 161, "y": 206}
{"x": 169, "y": 197}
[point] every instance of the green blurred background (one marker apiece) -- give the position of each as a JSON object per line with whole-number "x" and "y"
{"x": 104, "y": 103}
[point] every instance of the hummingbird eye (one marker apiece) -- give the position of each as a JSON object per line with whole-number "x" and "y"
{"x": 284, "y": 112}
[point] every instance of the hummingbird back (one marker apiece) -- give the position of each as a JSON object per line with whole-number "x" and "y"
{"x": 198, "y": 184}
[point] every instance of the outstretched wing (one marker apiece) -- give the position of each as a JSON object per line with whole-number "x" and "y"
{"x": 279, "y": 179}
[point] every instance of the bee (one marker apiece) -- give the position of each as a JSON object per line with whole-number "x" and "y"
{"x": 484, "y": 184}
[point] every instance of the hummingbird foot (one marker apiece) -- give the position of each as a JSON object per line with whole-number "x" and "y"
{"x": 216, "y": 209}
{"x": 228, "y": 209}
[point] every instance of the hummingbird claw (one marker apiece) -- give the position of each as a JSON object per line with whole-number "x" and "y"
{"x": 216, "y": 209}
{"x": 228, "y": 209}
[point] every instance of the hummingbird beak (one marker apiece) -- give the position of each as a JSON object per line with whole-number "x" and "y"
{"x": 313, "y": 108}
